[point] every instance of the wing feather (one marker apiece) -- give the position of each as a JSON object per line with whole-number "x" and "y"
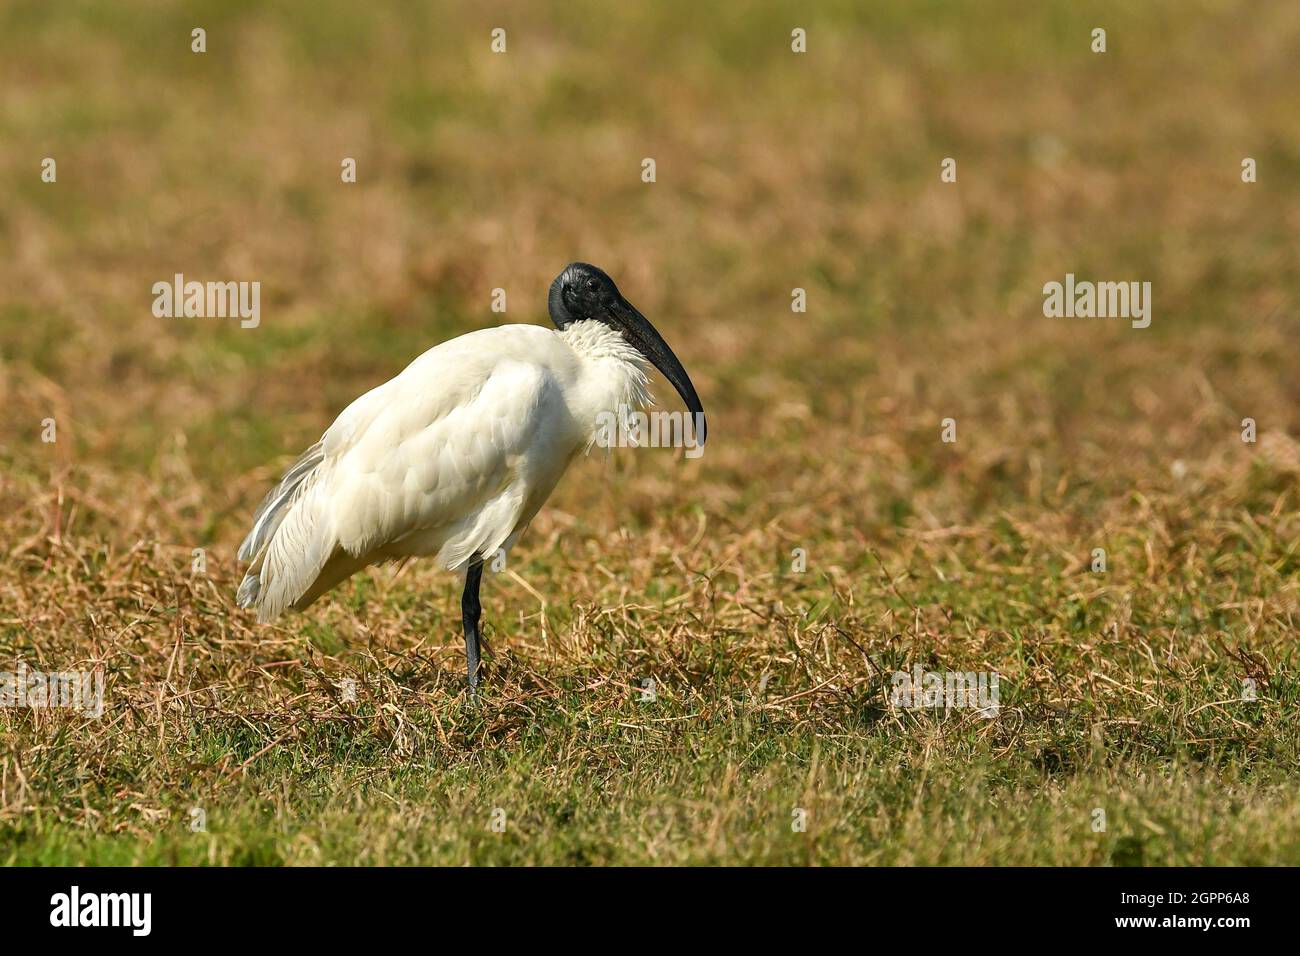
{"x": 434, "y": 461}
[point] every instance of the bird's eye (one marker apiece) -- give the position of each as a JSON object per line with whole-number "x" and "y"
{"x": 591, "y": 285}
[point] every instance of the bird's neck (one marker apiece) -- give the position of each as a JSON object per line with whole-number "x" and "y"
{"x": 596, "y": 340}
{"x": 614, "y": 371}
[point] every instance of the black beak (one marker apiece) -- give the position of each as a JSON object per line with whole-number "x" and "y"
{"x": 646, "y": 340}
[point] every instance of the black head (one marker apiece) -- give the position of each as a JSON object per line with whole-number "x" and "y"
{"x": 584, "y": 293}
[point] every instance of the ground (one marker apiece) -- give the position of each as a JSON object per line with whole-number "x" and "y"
{"x": 829, "y": 536}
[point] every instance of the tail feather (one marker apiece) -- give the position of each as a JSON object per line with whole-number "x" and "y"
{"x": 338, "y": 568}
{"x": 291, "y": 542}
{"x": 270, "y": 512}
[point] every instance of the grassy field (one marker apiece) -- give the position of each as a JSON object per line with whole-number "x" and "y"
{"x": 1123, "y": 692}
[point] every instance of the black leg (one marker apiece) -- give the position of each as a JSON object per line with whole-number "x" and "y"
{"x": 469, "y": 611}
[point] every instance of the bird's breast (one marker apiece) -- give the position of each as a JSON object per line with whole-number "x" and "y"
{"x": 610, "y": 376}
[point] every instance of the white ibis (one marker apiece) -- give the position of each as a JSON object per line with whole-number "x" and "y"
{"x": 454, "y": 456}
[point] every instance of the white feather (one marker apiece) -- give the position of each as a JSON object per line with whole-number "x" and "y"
{"x": 452, "y": 459}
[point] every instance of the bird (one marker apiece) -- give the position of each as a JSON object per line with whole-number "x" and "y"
{"x": 454, "y": 456}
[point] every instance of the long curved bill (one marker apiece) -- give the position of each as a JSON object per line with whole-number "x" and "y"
{"x": 647, "y": 340}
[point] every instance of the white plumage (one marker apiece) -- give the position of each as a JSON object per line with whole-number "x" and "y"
{"x": 452, "y": 458}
